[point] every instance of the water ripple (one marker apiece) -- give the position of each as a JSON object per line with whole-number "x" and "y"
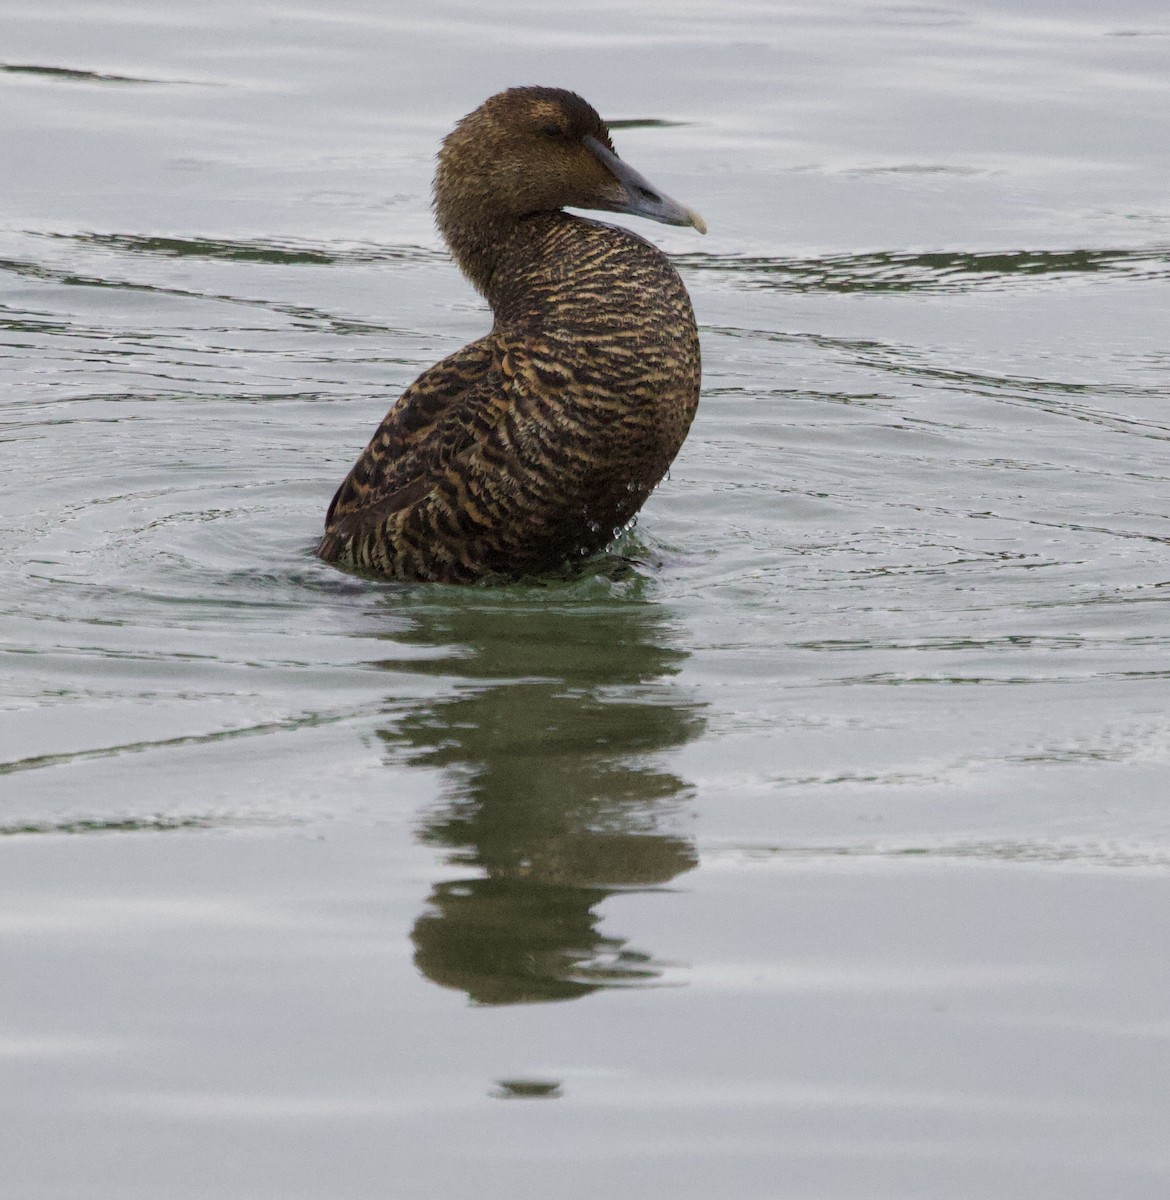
{"x": 72, "y": 75}
{"x": 952, "y": 271}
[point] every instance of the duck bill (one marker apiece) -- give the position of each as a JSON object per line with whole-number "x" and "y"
{"x": 638, "y": 196}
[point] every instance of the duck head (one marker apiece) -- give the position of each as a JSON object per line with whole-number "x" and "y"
{"x": 535, "y": 149}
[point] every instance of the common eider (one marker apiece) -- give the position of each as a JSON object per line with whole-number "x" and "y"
{"x": 537, "y": 443}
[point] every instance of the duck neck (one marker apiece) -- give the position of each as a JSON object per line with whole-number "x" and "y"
{"x": 478, "y": 243}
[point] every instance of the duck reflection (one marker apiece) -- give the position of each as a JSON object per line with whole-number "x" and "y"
{"x": 553, "y": 793}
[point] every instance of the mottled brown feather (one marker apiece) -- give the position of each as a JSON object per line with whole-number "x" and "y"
{"x": 538, "y": 442}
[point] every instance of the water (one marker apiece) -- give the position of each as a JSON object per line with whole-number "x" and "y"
{"x": 815, "y": 842}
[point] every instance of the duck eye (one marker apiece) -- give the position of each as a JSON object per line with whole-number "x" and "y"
{"x": 552, "y": 130}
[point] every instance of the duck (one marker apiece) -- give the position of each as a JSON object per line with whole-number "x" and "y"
{"x": 536, "y": 444}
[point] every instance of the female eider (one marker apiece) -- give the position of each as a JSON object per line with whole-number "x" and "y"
{"x": 537, "y": 443}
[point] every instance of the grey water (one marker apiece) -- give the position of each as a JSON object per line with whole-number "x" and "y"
{"x": 814, "y": 842}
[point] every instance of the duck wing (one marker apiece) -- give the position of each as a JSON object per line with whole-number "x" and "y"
{"x": 431, "y": 424}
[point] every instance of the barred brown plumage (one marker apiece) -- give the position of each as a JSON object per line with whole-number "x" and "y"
{"x": 539, "y": 442}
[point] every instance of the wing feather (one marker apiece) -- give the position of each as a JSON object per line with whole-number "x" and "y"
{"x": 431, "y": 423}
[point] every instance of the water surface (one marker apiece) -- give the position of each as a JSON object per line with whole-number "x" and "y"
{"x": 814, "y": 841}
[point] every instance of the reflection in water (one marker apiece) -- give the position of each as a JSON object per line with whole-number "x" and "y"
{"x": 553, "y": 795}
{"x": 527, "y": 1089}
